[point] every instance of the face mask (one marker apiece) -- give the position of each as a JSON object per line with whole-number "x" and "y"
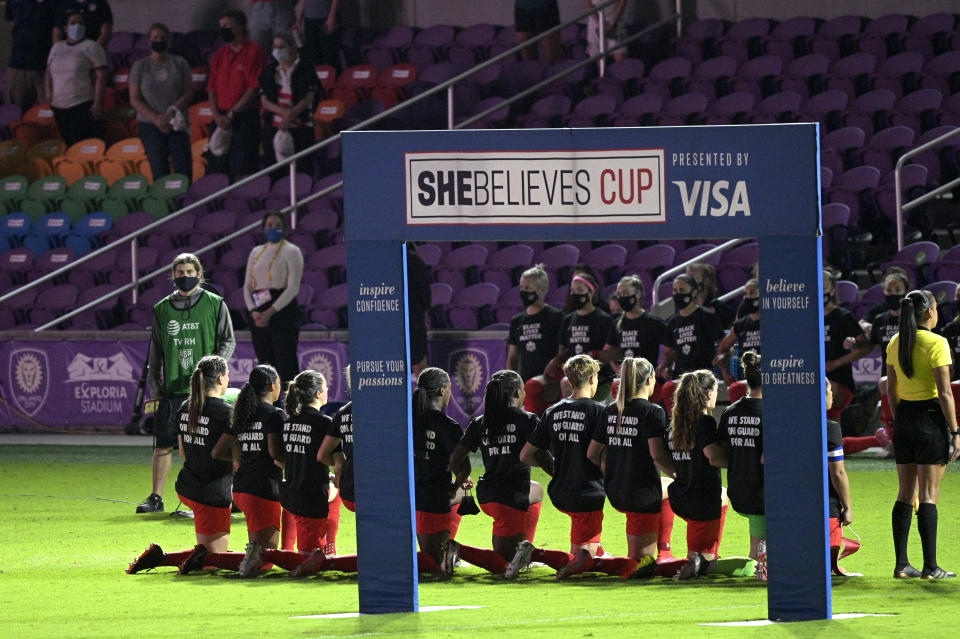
{"x": 159, "y": 45}
{"x": 748, "y": 306}
{"x": 893, "y": 301}
{"x": 579, "y": 300}
{"x": 827, "y": 298}
{"x": 274, "y": 234}
{"x": 226, "y": 34}
{"x": 186, "y": 284}
{"x": 528, "y": 298}
{"x": 76, "y": 31}
{"x": 682, "y": 300}
{"x": 627, "y": 303}
{"x": 281, "y": 55}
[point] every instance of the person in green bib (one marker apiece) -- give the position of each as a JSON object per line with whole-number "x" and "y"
{"x": 188, "y": 325}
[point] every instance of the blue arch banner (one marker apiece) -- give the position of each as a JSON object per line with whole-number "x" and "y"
{"x": 756, "y": 181}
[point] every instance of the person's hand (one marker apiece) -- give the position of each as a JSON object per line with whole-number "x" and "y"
{"x": 263, "y": 319}
{"x": 847, "y": 517}
{"x": 298, "y": 23}
{"x": 552, "y": 368}
{"x": 663, "y": 372}
{"x": 331, "y": 23}
{"x": 162, "y": 122}
{"x": 956, "y": 448}
{"x": 96, "y": 111}
{"x": 467, "y": 483}
{"x": 849, "y": 343}
{"x": 284, "y": 122}
{"x": 727, "y": 377}
{"x": 236, "y": 466}
{"x": 222, "y": 121}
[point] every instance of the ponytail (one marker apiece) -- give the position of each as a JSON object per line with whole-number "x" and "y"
{"x": 204, "y": 378}
{"x": 634, "y": 373}
{"x": 912, "y": 308}
{"x": 302, "y": 389}
{"x": 750, "y": 361}
{"x": 501, "y": 389}
{"x": 430, "y": 384}
{"x": 689, "y": 404}
{"x": 262, "y": 378}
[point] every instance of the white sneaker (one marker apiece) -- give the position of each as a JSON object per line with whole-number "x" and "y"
{"x": 251, "y": 563}
{"x": 520, "y": 561}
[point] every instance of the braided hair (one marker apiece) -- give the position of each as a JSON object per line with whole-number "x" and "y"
{"x": 501, "y": 389}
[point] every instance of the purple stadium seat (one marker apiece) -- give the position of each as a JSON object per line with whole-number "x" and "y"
{"x": 466, "y": 307}
{"x": 890, "y": 72}
{"x": 836, "y": 36}
{"x": 847, "y": 72}
{"x": 789, "y": 36}
{"x": 848, "y": 137}
{"x": 945, "y": 291}
{"x": 745, "y": 255}
{"x": 522, "y": 75}
{"x": 834, "y": 214}
{"x": 595, "y": 110}
{"x": 62, "y": 297}
{"x": 671, "y": 69}
{"x": 847, "y": 292}
{"x": 778, "y": 107}
{"x": 802, "y": 71}
{"x": 9, "y": 113}
{"x": 17, "y": 262}
{"x": 681, "y": 108}
{"x": 638, "y": 110}
{"x": 652, "y": 259}
{"x": 818, "y": 107}
{"x": 607, "y": 259}
{"x": 941, "y": 73}
{"x": 913, "y": 256}
{"x": 694, "y": 252}
{"x": 557, "y": 296}
{"x": 454, "y": 266}
{"x": 545, "y": 111}
{"x": 826, "y": 177}
{"x": 560, "y": 257}
{"x": 890, "y": 24}
{"x": 203, "y": 187}
{"x": 860, "y": 112}
{"x": 331, "y": 259}
{"x": 503, "y": 268}
{"x": 248, "y": 197}
{"x": 733, "y": 106}
{"x": 430, "y": 254}
{"x": 883, "y": 148}
{"x": 917, "y": 109}
{"x": 708, "y": 74}
{"x": 700, "y": 38}
{"x": 494, "y": 120}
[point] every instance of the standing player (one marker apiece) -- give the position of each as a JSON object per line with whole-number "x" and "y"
{"x": 697, "y": 493}
{"x": 576, "y": 485}
{"x": 533, "y": 339}
{"x": 925, "y": 435}
{"x": 635, "y": 333}
{"x": 746, "y": 332}
{"x": 838, "y": 491}
{"x": 628, "y": 447}
{"x": 844, "y": 343}
{"x": 255, "y": 428}
{"x": 741, "y": 433}
{"x": 187, "y": 325}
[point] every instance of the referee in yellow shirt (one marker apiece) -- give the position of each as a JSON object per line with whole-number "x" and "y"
{"x": 925, "y": 435}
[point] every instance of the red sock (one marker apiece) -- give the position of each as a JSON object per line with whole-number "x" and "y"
{"x": 286, "y": 559}
{"x": 665, "y": 531}
{"x": 426, "y": 562}
{"x": 531, "y": 520}
{"x": 489, "y": 560}
{"x": 619, "y": 566}
{"x": 333, "y": 522}
{"x": 288, "y": 531}
{"x": 723, "y": 520}
{"x": 224, "y": 560}
{"x": 670, "y": 568}
{"x": 175, "y": 558}
{"x": 534, "y": 401}
{"x": 886, "y": 416}
{"x": 556, "y": 559}
{"x": 852, "y": 445}
{"x": 343, "y": 563}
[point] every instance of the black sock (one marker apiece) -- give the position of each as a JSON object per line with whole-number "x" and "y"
{"x": 927, "y": 525}
{"x": 902, "y": 512}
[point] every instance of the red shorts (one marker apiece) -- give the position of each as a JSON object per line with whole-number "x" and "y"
{"x": 836, "y": 533}
{"x": 432, "y": 523}
{"x": 737, "y": 391}
{"x": 351, "y": 506}
{"x": 842, "y": 398}
{"x": 260, "y": 513}
{"x": 507, "y": 521}
{"x": 208, "y": 520}
{"x": 642, "y": 523}
{"x": 311, "y": 531}
{"x": 703, "y": 536}
{"x": 585, "y": 528}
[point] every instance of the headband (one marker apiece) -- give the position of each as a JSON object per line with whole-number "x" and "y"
{"x": 577, "y": 278}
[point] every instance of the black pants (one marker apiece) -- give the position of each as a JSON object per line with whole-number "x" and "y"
{"x": 243, "y": 157}
{"x": 319, "y": 46}
{"x": 76, "y": 123}
{"x": 162, "y": 147}
{"x": 276, "y": 344}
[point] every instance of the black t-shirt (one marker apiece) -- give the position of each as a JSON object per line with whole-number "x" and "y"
{"x": 258, "y": 475}
{"x": 741, "y": 430}
{"x": 342, "y": 428}
{"x": 694, "y": 338}
{"x": 838, "y": 325}
{"x": 536, "y": 338}
{"x": 876, "y": 309}
{"x": 834, "y": 455}
{"x": 724, "y": 312}
{"x": 952, "y": 334}
{"x": 885, "y": 326}
{"x": 203, "y": 478}
{"x": 640, "y": 337}
{"x": 566, "y": 429}
{"x": 632, "y": 481}
{"x": 695, "y": 494}
{"x": 305, "y": 490}
{"x": 587, "y": 333}
{"x": 748, "y": 334}
{"x": 433, "y": 441}
{"x": 506, "y": 480}
{"x": 32, "y": 24}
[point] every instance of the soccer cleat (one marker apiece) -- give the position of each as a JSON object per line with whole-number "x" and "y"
{"x": 194, "y": 560}
{"x": 311, "y": 566}
{"x": 664, "y": 555}
{"x": 906, "y": 572}
{"x": 251, "y": 563}
{"x": 690, "y": 570}
{"x": 646, "y": 566}
{"x": 707, "y": 566}
{"x": 330, "y": 549}
{"x": 937, "y": 573}
{"x": 761, "y": 569}
{"x": 451, "y": 553}
{"x": 150, "y": 558}
{"x": 883, "y": 437}
{"x": 520, "y": 561}
{"x": 152, "y": 504}
{"x": 576, "y": 565}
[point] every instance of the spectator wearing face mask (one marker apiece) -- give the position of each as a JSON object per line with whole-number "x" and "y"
{"x": 75, "y": 81}
{"x": 161, "y": 88}
{"x": 288, "y": 92}
{"x": 96, "y": 15}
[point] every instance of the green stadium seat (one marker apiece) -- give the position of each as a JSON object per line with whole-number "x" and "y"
{"x": 12, "y": 190}
{"x": 162, "y": 196}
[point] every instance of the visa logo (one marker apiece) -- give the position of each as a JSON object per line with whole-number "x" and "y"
{"x": 714, "y": 198}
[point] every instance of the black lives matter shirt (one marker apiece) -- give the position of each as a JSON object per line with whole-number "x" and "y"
{"x": 885, "y": 326}
{"x": 305, "y": 490}
{"x": 694, "y": 340}
{"x": 434, "y": 440}
{"x": 258, "y": 475}
{"x": 536, "y": 338}
{"x": 952, "y": 334}
{"x": 342, "y": 428}
{"x": 640, "y": 337}
{"x": 632, "y": 481}
{"x": 505, "y": 480}
{"x": 204, "y": 479}
{"x": 566, "y": 429}
{"x": 748, "y": 334}
{"x": 586, "y": 333}
{"x": 695, "y": 493}
{"x": 838, "y": 325}
{"x": 741, "y": 432}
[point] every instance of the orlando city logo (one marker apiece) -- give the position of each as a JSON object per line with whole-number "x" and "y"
{"x": 469, "y": 370}
{"x": 30, "y": 377}
{"x": 327, "y": 363}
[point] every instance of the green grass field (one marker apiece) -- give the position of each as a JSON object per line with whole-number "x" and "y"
{"x": 68, "y": 531}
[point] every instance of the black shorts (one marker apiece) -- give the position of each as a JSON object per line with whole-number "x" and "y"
{"x": 165, "y": 427}
{"x": 920, "y": 433}
{"x": 536, "y": 20}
